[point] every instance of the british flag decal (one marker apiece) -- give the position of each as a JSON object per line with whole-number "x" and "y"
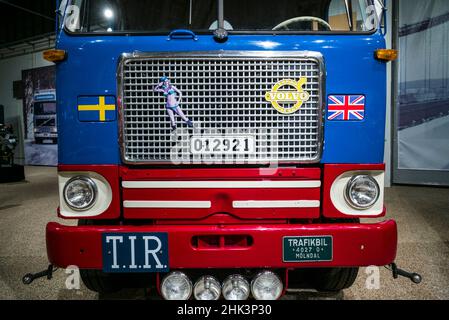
{"x": 346, "y": 108}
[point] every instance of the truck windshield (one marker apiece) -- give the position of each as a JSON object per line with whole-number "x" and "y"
{"x": 44, "y": 108}
{"x": 150, "y": 16}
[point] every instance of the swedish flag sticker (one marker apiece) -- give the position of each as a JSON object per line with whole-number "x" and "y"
{"x": 97, "y": 109}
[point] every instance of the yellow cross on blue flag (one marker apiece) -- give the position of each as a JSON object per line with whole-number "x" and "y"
{"x": 97, "y": 109}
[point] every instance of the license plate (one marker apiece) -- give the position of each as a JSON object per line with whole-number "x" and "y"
{"x": 135, "y": 252}
{"x": 307, "y": 249}
{"x": 230, "y": 145}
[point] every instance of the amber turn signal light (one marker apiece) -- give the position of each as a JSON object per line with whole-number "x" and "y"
{"x": 386, "y": 54}
{"x": 54, "y": 55}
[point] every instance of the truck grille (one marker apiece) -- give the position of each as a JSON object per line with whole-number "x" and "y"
{"x": 222, "y": 94}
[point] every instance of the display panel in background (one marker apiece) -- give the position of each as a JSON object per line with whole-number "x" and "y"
{"x": 423, "y": 110}
{"x": 41, "y": 133}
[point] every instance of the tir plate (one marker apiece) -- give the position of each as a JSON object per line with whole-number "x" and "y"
{"x": 307, "y": 249}
{"x": 135, "y": 252}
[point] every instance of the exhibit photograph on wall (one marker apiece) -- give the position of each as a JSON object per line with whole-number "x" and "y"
{"x": 41, "y": 133}
{"x": 423, "y": 114}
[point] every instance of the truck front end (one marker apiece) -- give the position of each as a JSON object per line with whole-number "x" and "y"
{"x": 221, "y": 149}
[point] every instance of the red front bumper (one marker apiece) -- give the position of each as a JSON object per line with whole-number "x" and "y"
{"x": 354, "y": 245}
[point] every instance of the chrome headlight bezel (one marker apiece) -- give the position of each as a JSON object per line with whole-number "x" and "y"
{"x": 274, "y": 277}
{"x": 91, "y": 184}
{"x": 244, "y": 286}
{"x": 214, "y": 287}
{"x": 188, "y": 282}
{"x": 352, "y": 183}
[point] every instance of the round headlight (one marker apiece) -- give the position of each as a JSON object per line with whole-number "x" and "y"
{"x": 236, "y": 287}
{"x": 80, "y": 193}
{"x": 266, "y": 286}
{"x": 362, "y": 192}
{"x": 207, "y": 288}
{"x": 176, "y": 286}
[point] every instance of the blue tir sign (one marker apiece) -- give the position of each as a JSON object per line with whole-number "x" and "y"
{"x": 135, "y": 252}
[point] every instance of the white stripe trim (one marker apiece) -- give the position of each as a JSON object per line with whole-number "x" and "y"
{"x": 168, "y": 204}
{"x": 263, "y": 184}
{"x": 276, "y": 204}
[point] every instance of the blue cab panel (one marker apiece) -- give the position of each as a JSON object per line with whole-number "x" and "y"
{"x": 351, "y": 70}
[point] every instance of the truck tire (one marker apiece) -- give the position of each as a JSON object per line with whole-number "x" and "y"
{"x": 335, "y": 279}
{"x": 100, "y": 282}
{"x": 96, "y": 280}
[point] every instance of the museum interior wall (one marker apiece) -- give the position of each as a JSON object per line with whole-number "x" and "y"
{"x": 11, "y": 70}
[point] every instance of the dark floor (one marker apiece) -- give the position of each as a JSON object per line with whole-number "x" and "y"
{"x": 422, "y": 215}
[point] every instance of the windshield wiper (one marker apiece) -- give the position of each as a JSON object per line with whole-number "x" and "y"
{"x": 221, "y": 34}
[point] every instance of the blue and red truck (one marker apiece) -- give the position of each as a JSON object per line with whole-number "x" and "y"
{"x": 221, "y": 149}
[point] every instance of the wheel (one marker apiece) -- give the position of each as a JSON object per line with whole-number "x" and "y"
{"x": 335, "y": 279}
{"x": 286, "y": 23}
{"x": 100, "y": 282}
{"x": 96, "y": 280}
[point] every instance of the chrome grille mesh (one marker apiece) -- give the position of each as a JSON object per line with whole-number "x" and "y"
{"x": 221, "y": 94}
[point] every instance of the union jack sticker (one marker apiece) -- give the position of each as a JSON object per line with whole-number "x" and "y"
{"x": 346, "y": 108}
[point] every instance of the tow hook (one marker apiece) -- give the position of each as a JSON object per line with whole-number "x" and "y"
{"x": 30, "y": 277}
{"x": 414, "y": 277}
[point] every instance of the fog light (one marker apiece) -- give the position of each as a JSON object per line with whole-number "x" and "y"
{"x": 266, "y": 286}
{"x": 176, "y": 286}
{"x": 207, "y": 288}
{"x": 362, "y": 192}
{"x": 236, "y": 287}
{"x": 80, "y": 193}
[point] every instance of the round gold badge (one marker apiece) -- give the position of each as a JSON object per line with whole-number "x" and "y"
{"x": 287, "y": 96}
